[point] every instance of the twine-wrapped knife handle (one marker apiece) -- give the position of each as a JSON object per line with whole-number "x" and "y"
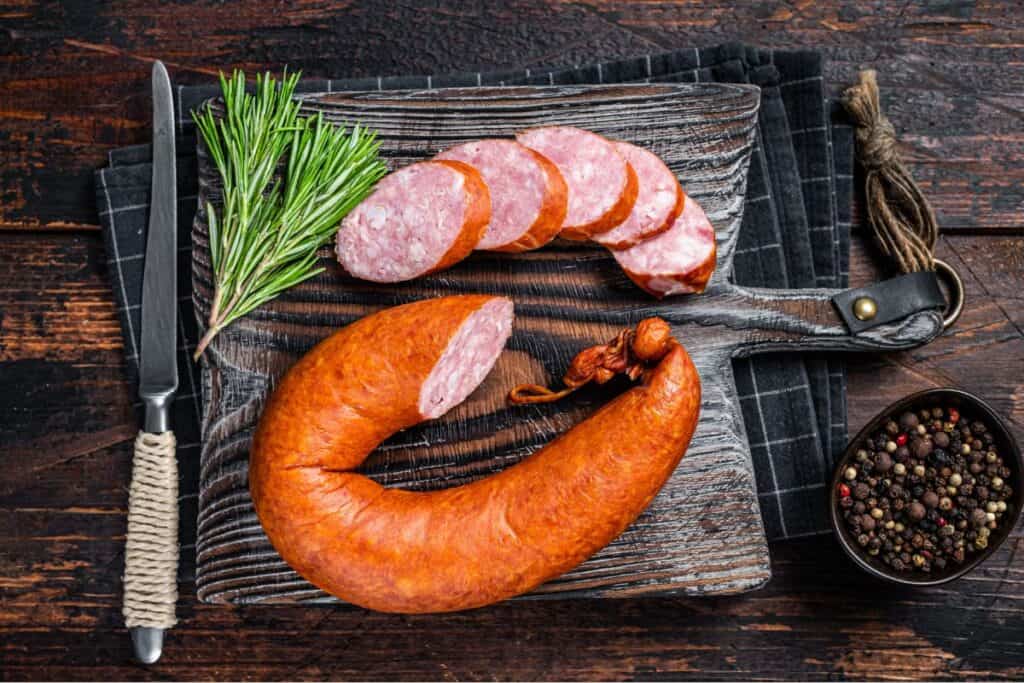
{"x": 151, "y": 553}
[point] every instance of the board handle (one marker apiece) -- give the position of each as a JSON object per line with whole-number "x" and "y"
{"x": 807, "y": 320}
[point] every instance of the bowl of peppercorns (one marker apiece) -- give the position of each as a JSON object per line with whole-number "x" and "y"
{"x": 928, "y": 489}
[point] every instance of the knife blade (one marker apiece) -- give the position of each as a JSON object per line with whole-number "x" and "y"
{"x": 158, "y": 364}
{"x": 151, "y": 553}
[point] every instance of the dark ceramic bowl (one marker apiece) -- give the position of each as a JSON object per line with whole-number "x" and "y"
{"x": 968, "y": 405}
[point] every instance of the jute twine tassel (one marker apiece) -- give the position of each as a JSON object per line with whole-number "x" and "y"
{"x": 902, "y": 219}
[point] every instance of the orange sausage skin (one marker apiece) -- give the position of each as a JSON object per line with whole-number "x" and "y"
{"x": 464, "y": 547}
{"x": 615, "y": 215}
{"x": 552, "y": 211}
{"x": 474, "y": 223}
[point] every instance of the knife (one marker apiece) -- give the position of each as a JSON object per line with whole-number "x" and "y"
{"x": 151, "y": 550}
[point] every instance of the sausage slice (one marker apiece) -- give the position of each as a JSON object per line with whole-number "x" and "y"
{"x": 659, "y": 200}
{"x": 678, "y": 261}
{"x": 602, "y": 185}
{"x": 471, "y": 545}
{"x": 529, "y": 197}
{"x": 420, "y": 219}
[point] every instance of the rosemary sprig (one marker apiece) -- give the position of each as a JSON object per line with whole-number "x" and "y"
{"x": 266, "y": 236}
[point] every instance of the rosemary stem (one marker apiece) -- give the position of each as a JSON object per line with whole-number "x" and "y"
{"x": 265, "y": 235}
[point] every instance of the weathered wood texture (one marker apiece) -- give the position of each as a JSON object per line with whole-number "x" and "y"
{"x": 952, "y": 73}
{"x": 66, "y": 429}
{"x": 73, "y": 83}
{"x": 566, "y": 299}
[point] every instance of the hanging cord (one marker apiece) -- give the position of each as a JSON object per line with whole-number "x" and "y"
{"x": 902, "y": 219}
{"x": 631, "y": 353}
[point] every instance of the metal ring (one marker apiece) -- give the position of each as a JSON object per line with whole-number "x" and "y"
{"x": 956, "y": 292}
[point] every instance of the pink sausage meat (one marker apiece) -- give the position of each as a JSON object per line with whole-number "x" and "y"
{"x": 659, "y": 200}
{"x": 419, "y": 219}
{"x": 528, "y": 194}
{"x": 602, "y": 185}
{"x": 677, "y": 261}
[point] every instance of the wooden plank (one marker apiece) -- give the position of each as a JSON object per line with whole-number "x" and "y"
{"x": 565, "y": 300}
{"x": 819, "y": 617}
{"x": 951, "y": 76}
{"x": 75, "y": 82}
{"x": 76, "y": 85}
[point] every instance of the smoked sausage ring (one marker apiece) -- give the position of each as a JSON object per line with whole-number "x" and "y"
{"x": 401, "y": 551}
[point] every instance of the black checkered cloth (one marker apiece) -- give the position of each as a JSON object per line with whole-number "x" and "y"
{"x": 795, "y": 234}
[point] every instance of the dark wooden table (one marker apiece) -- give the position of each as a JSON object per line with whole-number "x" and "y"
{"x": 74, "y": 84}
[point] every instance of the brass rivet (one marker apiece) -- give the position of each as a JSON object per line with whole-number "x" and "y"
{"x": 865, "y": 308}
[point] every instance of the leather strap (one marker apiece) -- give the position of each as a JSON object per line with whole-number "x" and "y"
{"x": 893, "y": 299}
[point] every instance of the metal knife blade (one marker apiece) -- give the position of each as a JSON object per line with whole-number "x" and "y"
{"x": 158, "y": 364}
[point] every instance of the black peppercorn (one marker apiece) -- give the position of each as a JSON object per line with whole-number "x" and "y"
{"x": 941, "y": 440}
{"x": 916, "y": 511}
{"x": 908, "y": 421}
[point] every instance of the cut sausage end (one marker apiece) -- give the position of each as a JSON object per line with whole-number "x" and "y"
{"x": 468, "y": 358}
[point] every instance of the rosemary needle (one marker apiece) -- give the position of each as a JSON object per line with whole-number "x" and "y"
{"x": 266, "y": 235}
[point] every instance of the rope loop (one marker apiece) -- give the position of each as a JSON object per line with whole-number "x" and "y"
{"x": 900, "y": 216}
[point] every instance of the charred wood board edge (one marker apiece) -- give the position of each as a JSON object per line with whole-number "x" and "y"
{"x": 703, "y": 533}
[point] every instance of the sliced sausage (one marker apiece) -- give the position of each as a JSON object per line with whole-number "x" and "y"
{"x": 602, "y": 185}
{"x": 529, "y": 197}
{"x": 659, "y": 200}
{"x": 678, "y": 261}
{"x": 420, "y": 219}
{"x": 471, "y": 545}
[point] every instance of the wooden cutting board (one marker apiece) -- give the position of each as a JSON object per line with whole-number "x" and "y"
{"x": 703, "y": 533}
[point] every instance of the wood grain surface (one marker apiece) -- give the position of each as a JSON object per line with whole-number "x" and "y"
{"x": 566, "y": 299}
{"x": 74, "y": 83}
